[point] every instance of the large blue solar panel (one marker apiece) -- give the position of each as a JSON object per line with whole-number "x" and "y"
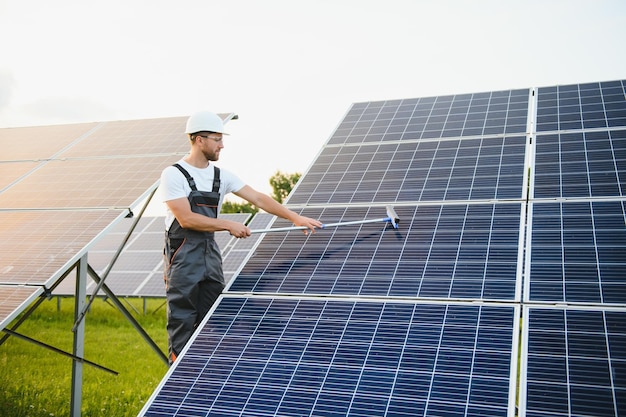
{"x": 465, "y": 251}
{"x": 419, "y": 170}
{"x": 576, "y": 363}
{"x": 578, "y": 252}
{"x": 312, "y": 357}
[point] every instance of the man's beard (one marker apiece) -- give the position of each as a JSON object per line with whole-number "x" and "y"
{"x": 211, "y": 156}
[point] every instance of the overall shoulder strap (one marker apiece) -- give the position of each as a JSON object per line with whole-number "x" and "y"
{"x": 190, "y": 179}
{"x": 216, "y": 179}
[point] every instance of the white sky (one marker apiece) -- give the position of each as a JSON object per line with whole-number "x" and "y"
{"x": 290, "y": 69}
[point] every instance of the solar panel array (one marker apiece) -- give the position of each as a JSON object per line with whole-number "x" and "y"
{"x": 64, "y": 187}
{"x": 577, "y": 255}
{"x": 366, "y": 320}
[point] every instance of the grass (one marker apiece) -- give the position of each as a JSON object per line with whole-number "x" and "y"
{"x": 36, "y": 382}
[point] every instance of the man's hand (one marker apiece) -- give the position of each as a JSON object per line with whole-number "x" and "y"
{"x": 309, "y": 223}
{"x": 238, "y": 230}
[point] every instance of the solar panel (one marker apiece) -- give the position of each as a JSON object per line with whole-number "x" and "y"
{"x": 480, "y": 114}
{"x": 581, "y": 164}
{"x": 462, "y": 251}
{"x": 578, "y": 252}
{"x": 418, "y": 170}
{"x": 599, "y": 105}
{"x": 273, "y": 356}
{"x": 38, "y": 246}
{"x": 575, "y": 363}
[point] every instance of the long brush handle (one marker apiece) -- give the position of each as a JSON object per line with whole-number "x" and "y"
{"x": 324, "y": 226}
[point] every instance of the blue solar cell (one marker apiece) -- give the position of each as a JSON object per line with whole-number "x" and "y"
{"x": 366, "y": 362}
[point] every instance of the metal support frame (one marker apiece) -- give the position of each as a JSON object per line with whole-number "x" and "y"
{"x": 127, "y": 314}
{"x": 113, "y": 261}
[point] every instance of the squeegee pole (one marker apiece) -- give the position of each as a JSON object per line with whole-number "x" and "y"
{"x": 391, "y": 213}
{"x": 324, "y": 226}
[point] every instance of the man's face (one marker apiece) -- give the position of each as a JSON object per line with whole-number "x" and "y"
{"x": 211, "y": 144}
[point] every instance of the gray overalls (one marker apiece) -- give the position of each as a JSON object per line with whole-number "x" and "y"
{"x": 193, "y": 268}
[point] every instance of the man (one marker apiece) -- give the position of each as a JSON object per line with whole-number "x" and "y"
{"x": 193, "y": 191}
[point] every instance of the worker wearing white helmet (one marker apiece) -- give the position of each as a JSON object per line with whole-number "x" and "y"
{"x": 193, "y": 190}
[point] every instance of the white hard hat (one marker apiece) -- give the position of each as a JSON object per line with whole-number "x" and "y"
{"x": 205, "y": 121}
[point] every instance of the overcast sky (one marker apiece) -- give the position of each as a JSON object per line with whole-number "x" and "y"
{"x": 290, "y": 69}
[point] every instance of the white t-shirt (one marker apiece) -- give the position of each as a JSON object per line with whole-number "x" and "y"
{"x": 174, "y": 185}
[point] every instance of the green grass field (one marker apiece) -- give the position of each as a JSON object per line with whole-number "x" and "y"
{"x": 35, "y": 381}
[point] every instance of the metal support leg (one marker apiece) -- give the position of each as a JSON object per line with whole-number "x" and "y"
{"x": 79, "y": 337}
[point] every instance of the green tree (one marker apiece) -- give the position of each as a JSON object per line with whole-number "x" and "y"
{"x": 232, "y": 207}
{"x": 282, "y": 184}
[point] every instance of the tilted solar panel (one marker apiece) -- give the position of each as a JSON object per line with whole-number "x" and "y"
{"x": 480, "y": 114}
{"x": 431, "y": 170}
{"x": 273, "y": 356}
{"x": 462, "y": 251}
{"x": 580, "y": 164}
{"x": 575, "y": 364}
{"x": 599, "y": 105}
{"x": 578, "y": 252}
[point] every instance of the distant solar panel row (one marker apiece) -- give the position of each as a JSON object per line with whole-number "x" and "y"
{"x": 441, "y": 251}
{"x": 138, "y": 272}
{"x": 268, "y": 357}
{"x": 441, "y": 170}
{"x": 491, "y": 113}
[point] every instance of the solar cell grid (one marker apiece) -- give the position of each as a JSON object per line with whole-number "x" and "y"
{"x": 39, "y": 142}
{"x": 11, "y": 172}
{"x": 315, "y": 357}
{"x": 578, "y": 252}
{"x": 133, "y": 137}
{"x": 14, "y": 298}
{"x": 581, "y": 164}
{"x": 584, "y": 106}
{"x": 576, "y": 363}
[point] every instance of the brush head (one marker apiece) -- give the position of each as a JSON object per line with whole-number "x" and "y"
{"x": 393, "y": 217}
